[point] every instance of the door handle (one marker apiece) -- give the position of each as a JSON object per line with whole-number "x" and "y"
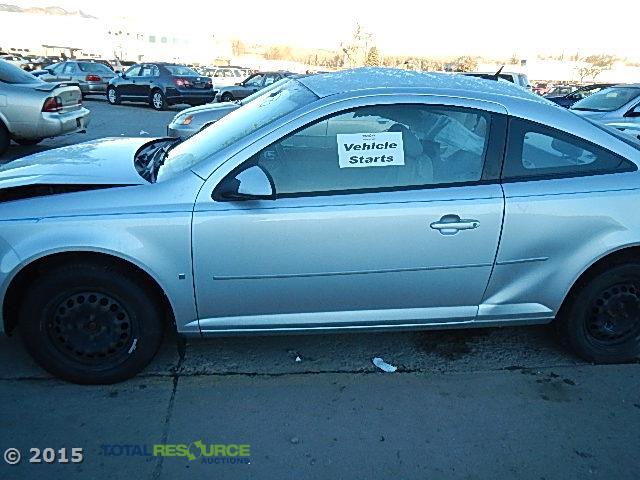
{"x": 451, "y": 224}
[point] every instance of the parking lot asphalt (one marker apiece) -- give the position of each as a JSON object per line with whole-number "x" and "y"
{"x": 470, "y": 404}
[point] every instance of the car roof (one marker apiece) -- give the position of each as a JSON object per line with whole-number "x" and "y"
{"x": 375, "y": 78}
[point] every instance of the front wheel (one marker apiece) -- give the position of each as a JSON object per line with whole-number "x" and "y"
{"x": 227, "y": 97}
{"x": 112, "y": 96}
{"x": 158, "y": 100}
{"x": 91, "y": 323}
{"x": 601, "y": 322}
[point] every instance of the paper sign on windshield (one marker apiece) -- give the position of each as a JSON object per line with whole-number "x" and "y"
{"x": 370, "y": 149}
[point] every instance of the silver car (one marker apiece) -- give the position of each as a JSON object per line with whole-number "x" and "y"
{"x": 369, "y": 199}
{"x": 92, "y": 77}
{"x": 32, "y": 110}
{"x": 191, "y": 120}
{"x": 614, "y": 106}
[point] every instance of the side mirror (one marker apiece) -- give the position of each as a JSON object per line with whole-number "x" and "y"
{"x": 634, "y": 112}
{"x": 250, "y": 184}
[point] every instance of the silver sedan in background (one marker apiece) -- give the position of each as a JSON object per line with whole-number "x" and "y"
{"x": 191, "y": 120}
{"x": 617, "y": 106}
{"x": 367, "y": 199}
{"x": 32, "y": 110}
{"x": 92, "y": 77}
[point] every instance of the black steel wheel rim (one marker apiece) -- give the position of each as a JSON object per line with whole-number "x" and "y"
{"x": 91, "y": 327}
{"x": 614, "y": 315}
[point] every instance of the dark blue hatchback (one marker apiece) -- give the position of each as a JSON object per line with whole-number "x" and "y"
{"x": 160, "y": 85}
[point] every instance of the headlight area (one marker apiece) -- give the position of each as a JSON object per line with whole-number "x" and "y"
{"x": 182, "y": 119}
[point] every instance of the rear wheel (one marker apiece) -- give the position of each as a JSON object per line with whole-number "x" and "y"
{"x": 4, "y": 139}
{"x": 91, "y": 323}
{"x": 158, "y": 100}
{"x": 113, "y": 97}
{"x": 601, "y": 322}
{"x": 227, "y": 97}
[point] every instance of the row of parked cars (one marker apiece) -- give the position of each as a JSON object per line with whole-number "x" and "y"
{"x": 159, "y": 83}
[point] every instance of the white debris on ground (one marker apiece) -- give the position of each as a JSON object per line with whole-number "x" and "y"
{"x": 298, "y": 359}
{"x": 142, "y": 132}
{"x": 384, "y": 366}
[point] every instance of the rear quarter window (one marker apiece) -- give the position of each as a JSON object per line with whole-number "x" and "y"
{"x": 536, "y": 151}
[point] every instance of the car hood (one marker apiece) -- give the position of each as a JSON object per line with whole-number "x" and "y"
{"x": 109, "y": 161}
{"x": 214, "y": 108}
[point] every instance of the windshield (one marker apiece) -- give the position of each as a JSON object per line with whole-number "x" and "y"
{"x": 607, "y": 100}
{"x": 92, "y": 67}
{"x": 235, "y": 126}
{"x": 180, "y": 70}
{"x": 11, "y": 74}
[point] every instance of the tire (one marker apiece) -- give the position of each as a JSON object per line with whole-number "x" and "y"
{"x": 113, "y": 97}
{"x": 4, "y": 139}
{"x": 227, "y": 97}
{"x": 28, "y": 141}
{"x": 157, "y": 100}
{"x": 91, "y": 323}
{"x": 601, "y": 321}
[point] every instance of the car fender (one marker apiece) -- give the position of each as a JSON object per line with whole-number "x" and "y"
{"x": 158, "y": 255}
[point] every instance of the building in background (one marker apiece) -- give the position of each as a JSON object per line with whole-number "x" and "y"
{"x": 53, "y": 30}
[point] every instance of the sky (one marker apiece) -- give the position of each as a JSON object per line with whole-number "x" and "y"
{"x": 490, "y": 28}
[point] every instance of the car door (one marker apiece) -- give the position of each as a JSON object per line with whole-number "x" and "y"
{"x": 67, "y": 72}
{"x": 392, "y": 218}
{"x": 127, "y": 84}
{"x": 53, "y": 72}
{"x": 250, "y": 86}
{"x": 145, "y": 81}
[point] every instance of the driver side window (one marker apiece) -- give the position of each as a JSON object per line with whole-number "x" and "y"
{"x": 380, "y": 147}
{"x": 254, "y": 81}
{"x": 133, "y": 71}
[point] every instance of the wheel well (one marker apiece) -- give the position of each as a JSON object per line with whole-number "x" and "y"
{"x": 606, "y": 262}
{"x": 32, "y": 271}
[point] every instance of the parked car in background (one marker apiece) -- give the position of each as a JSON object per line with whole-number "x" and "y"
{"x": 106, "y": 63}
{"x": 223, "y": 76}
{"x": 17, "y": 60}
{"x": 628, "y": 128}
{"x": 192, "y": 120}
{"x": 614, "y": 105}
{"x": 560, "y": 90}
{"x": 372, "y": 199}
{"x": 566, "y": 99}
{"x": 160, "y": 85}
{"x": 542, "y": 88}
{"x": 92, "y": 77}
{"x": 31, "y": 110}
{"x": 251, "y": 85}
{"x": 518, "y": 78}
